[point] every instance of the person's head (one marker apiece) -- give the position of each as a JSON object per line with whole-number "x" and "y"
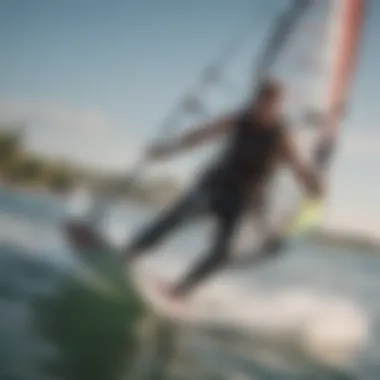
{"x": 270, "y": 98}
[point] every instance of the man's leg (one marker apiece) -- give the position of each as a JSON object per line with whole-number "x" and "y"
{"x": 188, "y": 206}
{"x": 216, "y": 257}
{"x": 273, "y": 238}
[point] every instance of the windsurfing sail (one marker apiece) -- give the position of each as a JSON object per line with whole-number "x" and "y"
{"x": 316, "y": 61}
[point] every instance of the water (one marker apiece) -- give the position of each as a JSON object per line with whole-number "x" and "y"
{"x": 312, "y": 312}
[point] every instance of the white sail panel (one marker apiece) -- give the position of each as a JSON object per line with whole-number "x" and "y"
{"x": 317, "y": 66}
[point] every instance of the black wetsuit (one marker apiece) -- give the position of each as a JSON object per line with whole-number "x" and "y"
{"x": 237, "y": 181}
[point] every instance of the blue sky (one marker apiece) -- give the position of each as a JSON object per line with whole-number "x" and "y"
{"x": 93, "y": 79}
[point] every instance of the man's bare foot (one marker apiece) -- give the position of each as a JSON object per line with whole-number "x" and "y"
{"x": 172, "y": 295}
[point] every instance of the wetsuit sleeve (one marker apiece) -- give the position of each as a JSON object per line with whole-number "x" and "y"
{"x": 323, "y": 153}
{"x": 305, "y": 174}
{"x": 283, "y": 128}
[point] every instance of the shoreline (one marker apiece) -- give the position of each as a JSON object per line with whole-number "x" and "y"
{"x": 347, "y": 240}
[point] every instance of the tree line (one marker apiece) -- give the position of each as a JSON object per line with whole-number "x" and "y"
{"x": 22, "y": 168}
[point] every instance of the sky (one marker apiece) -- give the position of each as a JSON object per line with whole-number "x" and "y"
{"x": 93, "y": 79}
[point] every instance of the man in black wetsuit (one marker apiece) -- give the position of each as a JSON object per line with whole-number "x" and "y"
{"x": 259, "y": 141}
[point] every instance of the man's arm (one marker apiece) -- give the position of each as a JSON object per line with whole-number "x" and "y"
{"x": 306, "y": 175}
{"x": 198, "y": 136}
